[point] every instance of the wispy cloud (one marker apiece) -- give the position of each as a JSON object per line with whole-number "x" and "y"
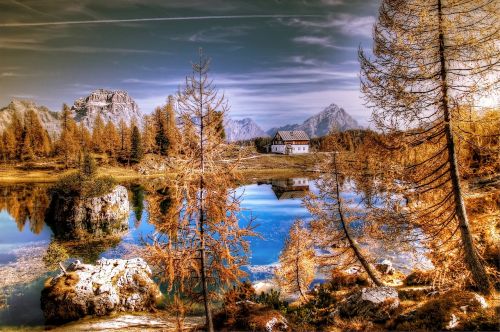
{"x": 222, "y": 35}
{"x": 321, "y": 41}
{"x": 149, "y": 19}
{"x": 348, "y": 24}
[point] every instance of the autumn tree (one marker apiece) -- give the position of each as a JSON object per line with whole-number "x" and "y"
{"x": 148, "y": 134}
{"x": 34, "y": 138}
{"x": 112, "y": 142}
{"x": 297, "y": 261}
{"x": 98, "y": 135}
{"x": 161, "y": 135}
{"x": 333, "y": 222}
{"x": 68, "y": 145}
{"x": 172, "y": 132}
{"x": 201, "y": 245}
{"x": 431, "y": 59}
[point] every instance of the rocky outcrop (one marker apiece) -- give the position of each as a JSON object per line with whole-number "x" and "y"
{"x": 244, "y": 129}
{"x": 332, "y": 117}
{"x": 385, "y": 267}
{"x": 112, "y": 285}
{"x": 112, "y": 106}
{"x": 73, "y": 217}
{"x": 375, "y": 303}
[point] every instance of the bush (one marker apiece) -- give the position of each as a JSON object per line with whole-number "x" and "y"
{"x": 419, "y": 278}
{"x": 340, "y": 279}
{"x": 436, "y": 313}
{"x": 77, "y": 184}
{"x": 272, "y": 300}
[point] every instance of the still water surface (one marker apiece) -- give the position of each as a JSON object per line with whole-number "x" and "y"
{"x": 24, "y": 238}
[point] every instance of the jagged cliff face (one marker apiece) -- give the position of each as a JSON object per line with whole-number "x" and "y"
{"x": 113, "y": 106}
{"x": 245, "y": 129}
{"x": 50, "y": 120}
{"x": 332, "y": 117}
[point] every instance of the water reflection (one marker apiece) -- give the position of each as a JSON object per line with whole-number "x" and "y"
{"x": 26, "y": 204}
{"x": 293, "y": 188}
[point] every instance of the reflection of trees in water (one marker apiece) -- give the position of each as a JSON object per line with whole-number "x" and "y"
{"x": 137, "y": 202}
{"x": 88, "y": 251}
{"x": 26, "y": 203}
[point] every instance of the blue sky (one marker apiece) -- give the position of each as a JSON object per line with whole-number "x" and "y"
{"x": 277, "y": 61}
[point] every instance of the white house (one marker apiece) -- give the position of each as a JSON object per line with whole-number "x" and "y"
{"x": 290, "y": 142}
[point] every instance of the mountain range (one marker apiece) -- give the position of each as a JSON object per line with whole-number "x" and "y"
{"x": 116, "y": 106}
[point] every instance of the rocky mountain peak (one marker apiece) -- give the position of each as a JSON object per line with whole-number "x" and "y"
{"x": 111, "y": 105}
{"x": 332, "y": 117}
{"x": 244, "y": 129}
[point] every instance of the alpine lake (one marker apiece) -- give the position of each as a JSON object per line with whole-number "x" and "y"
{"x": 273, "y": 204}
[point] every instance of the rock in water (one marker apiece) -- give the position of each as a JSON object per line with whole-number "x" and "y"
{"x": 73, "y": 217}
{"x": 109, "y": 286}
{"x": 385, "y": 267}
{"x": 376, "y": 303}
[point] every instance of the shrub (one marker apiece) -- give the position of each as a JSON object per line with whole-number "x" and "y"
{"x": 77, "y": 184}
{"x": 340, "y": 279}
{"x": 272, "y": 300}
{"x": 419, "y": 278}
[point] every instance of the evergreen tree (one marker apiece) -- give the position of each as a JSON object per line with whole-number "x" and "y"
{"x": 172, "y": 132}
{"x": 161, "y": 137}
{"x": 89, "y": 167}
{"x": 124, "y": 133}
{"x": 136, "y": 151}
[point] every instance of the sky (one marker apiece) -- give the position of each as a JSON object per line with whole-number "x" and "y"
{"x": 277, "y": 61}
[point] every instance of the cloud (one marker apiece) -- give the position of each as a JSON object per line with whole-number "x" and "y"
{"x": 321, "y": 41}
{"x": 348, "y": 24}
{"x": 222, "y": 35}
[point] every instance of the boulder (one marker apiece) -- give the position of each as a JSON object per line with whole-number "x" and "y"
{"x": 112, "y": 285}
{"x": 385, "y": 267}
{"x": 375, "y": 303}
{"x": 73, "y": 217}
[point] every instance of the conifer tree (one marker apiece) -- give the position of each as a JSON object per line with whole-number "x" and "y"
{"x": 136, "y": 151}
{"x": 112, "y": 142}
{"x": 431, "y": 59}
{"x": 68, "y": 144}
{"x": 124, "y": 133}
{"x": 161, "y": 125}
{"x": 297, "y": 261}
{"x": 148, "y": 134}
{"x": 201, "y": 245}
{"x": 172, "y": 132}
{"x": 98, "y": 135}
{"x": 332, "y": 222}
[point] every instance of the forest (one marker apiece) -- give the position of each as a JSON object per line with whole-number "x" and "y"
{"x": 425, "y": 179}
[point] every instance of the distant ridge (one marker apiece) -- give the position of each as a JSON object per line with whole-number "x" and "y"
{"x": 322, "y": 123}
{"x": 244, "y": 129}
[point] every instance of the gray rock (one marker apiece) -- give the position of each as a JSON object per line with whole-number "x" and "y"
{"x": 75, "y": 218}
{"x": 385, "y": 267}
{"x": 112, "y": 106}
{"x": 376, "y": 303}
{"x": 112, "y": 285}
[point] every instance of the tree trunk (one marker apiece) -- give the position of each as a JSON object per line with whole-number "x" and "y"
{"x": 206, "y": 301}
{"x": 297, "y": 276}
{"x": 471, "y": 256}
{"x": 352, "y": 242}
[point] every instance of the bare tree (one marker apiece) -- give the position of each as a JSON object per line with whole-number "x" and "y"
{"x": 432, "y": 58}
{"x": 199, "y": 242}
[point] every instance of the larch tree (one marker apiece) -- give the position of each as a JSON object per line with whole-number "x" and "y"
{"x": 112, "y": 142}
{"x": 172, "y": 132}
{"x": 148, "y": 134}
{"x": 335, "y": 225}
{"x": 35, "y": 139}
{"x": 124, "y": 133}
{"x": 201, "y": 245}
{"x": 431, "y": 59}
{"x": 98, "y": 135}
{"x": 297, "y": 261}
{"x": 68, "y": 145}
